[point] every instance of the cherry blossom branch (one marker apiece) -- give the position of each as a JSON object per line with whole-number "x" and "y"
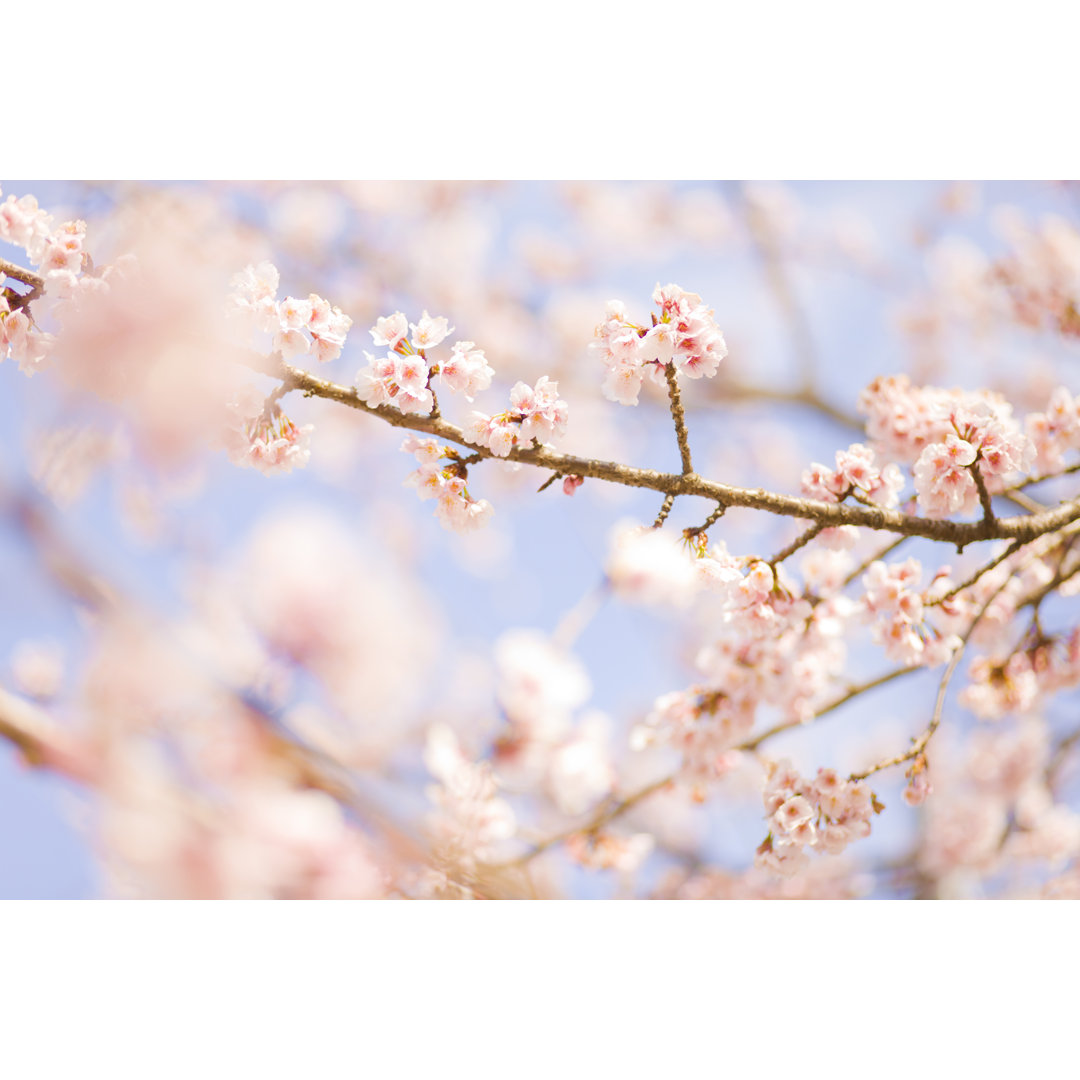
{"x": 919, "y": 745}
{"x": 614, "y": 809}
{"x": 1059, "y": 758}
{"x": 19, "y": 273}
{"x": 607, "y": 814}
{"x": 829, "y": 514}
{"x": 853, "y": 692}
{"x": 1011, "y": 550}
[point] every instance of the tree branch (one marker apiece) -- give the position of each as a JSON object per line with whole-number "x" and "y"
{"x": 828, "y": 514}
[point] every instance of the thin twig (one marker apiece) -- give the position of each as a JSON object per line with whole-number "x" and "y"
{"x": 1011, "y": 550}
{"x": 665, "y": 509}
{"x": 799, "y": 542}
{"x": 919, "y": 745}
{"x": 854, "y": 691}
{"x": 707, "y": 524}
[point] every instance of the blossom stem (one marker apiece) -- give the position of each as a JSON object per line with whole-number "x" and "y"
{"x": 984, "y": 495}
{"x": 799, "y": 542}
{"x": 679, "y": 417}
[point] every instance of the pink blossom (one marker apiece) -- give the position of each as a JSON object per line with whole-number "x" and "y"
{"x": 535, "y": 412}
{"x": 396, "y": 380}
{"x": 467, "y": 371}
{"x": 429, "y": 332}
{"x": 390, "y": 330}
{"x": 685, "y": 335}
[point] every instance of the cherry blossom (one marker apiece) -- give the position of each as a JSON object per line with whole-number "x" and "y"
{"x": 535, "y": 413}
{"x": 346, "y": 702}
{"x": 684, "y": 336}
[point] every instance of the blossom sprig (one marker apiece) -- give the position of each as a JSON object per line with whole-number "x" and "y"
{"x": 535, "y": 413}
{"x": 899, "y": 609}
{"x": 26, "y": 225}
{"x": 441, "y": 477}
{"x": 21, "y": 341}
{"x": 1056, "y": 430}
{"x": 261, "y": 436}
{"x": 299, "y": 327}
{"x": 684, "y": 335}
{"x": 857, "y": 472}
{"x": 824, "y": 814}
{"x": 1018, "y": 682}
{"x": 981, "y": 447}
{"x": 58, "y": 253}
{"x": 403, "y": 377}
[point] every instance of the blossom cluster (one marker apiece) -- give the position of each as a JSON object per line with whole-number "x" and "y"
{"x": 856, "y": 473}
{"x": 441, "y": 477}
{"x": 902, "y": 418}
{"x": 403, "y": 377}
{"x": 1055, "y": 430}
{"x": 299, "y": 327}
{"x": 260, "y": 436}
{"x": 1018, "y": 682}
{"x": 894, "y": 600}
{"x": 58, "y": 253}
{"x": 535, "y": 413}
{"x": 684, "y": 335}
{"x": 19, "y": 340}
{"x": 951, "y": 438}
{"x": 770, "y": 649}
{"x": 1041, "y": 275}
{"x": 471, "y": 819}
{"x": 824, "y": 814}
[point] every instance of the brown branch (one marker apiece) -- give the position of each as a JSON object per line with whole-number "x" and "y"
{"x": 679, "y": 417}
{"x": 829, "y": 514}
{"x": 27, "y": 277}
{"x": 19, "y": 273}
{"x": 919, "y": 744}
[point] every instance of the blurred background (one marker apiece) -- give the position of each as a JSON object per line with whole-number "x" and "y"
{"x": 818, "y": 288}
